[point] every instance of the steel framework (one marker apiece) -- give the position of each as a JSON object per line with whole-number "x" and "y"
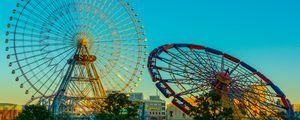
{"x": 71, "y": 53}
{"x": 185, "y": 71}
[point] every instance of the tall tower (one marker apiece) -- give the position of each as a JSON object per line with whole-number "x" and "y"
{"x": 81, "y": 91}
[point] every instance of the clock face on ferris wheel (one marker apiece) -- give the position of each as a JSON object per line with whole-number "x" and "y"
{"x": 43, "y": 35}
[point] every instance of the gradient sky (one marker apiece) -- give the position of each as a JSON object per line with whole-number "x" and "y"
{"x": 263, "y": 33}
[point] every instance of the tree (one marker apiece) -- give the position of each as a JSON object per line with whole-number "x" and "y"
{"x": 117, "y": 106}
{"x": 35, "y": 112}
{"x": 209, "y": 108}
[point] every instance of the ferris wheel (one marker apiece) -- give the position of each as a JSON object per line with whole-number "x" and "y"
{"x": 63, "y": 45}
{"x": 185, "y": 71}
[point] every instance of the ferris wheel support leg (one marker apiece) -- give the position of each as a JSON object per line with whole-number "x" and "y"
{"x": 61, "y": 91}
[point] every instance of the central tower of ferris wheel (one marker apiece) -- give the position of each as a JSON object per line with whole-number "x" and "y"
{"x": 70, "y": 53}
{"x": 82, "y": 65}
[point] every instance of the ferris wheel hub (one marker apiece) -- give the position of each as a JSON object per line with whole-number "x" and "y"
{"x": 223, "y": 78}
{"x": 83, "y": 39}
{"x": 83, "y": 42}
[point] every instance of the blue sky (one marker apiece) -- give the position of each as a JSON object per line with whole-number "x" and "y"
{"x": 263, "y": 33}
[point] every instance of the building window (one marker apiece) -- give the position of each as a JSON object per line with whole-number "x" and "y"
{"x": 171, "y": 113}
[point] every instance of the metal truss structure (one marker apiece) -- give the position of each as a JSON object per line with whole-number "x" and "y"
{"x": 70, "y": 53}
{"x": 185, "y": 71}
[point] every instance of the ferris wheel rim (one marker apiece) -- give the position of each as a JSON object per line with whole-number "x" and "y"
{"x": 168, "y": 91}
{"x": 139, "y": 50}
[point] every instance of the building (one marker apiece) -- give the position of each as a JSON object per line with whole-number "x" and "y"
{"x": 153, "y": 109}
{"x": 9, "y": 111}
{"x": 173, "y": 113}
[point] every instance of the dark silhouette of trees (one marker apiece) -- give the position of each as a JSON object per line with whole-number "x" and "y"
{"x": 117, "y": 106}
{"x": 209, "y": 108}
{"x": 35, "y": 112}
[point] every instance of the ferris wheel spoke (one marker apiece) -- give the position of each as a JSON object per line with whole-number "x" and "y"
{"x": 175, "y": 64}
{"x": 247, "y": 109}
{"x": 251, "y": 100}
{"x": 35, "y": 75}
{"x": 206, "y": 64}
{"x": 129, "y": 34}
{"x": 121, "y": 21}
{"x": 45, "y": 53}
{"x": 242, "y": 77}
{"x": 127, "y": 59}
{"x": 115, "y": 47}
{"x": 232, "y": 70}
{"x": 131, "y": 45}
{"x": 55, "y": 71}
{"x": 43, "y": 84}
{"x": 116, "y": 32}
{"x": 108, "y": 6}
{"x": 37, "y": 50}
{"x": 45, "y": 33}
{"x": 117, "y": 40}
{"x": 187, "y": 56}
{"x": 181, "y": 72}
{"x": 115, "y": 84}
{"x": 243, "y": 101}
{"x": 222, "y": 64}
{"x": 199, "y": 88}
{"x": 58, "y": 15}
{"x": 39, "y": 45}
{"x": 55, "y": 79}
{"x": 212, "y": 63}
{"x": 254, "y": 94}
{"x": 31, "y": 51}
{"x": 131, "y": 66}
{"x": 206, "y": 60}
{"x": 105, "y": 10}
{"x": 119, "y": 31}
{"x": 184, "y": 71}
{"x": 249, "y": 82}
{"x": 260, "y": 94}
{"x": 28, "y": 64}
{"x": 247, "y": 91}
{"x": 120, "y": 55}
{"x": 37, "y": 18}
{"x": 40, "y": 65}
{"x": 114, "y": 12}
{"x": 175, "y": 57}
{"x": 32, "y": 29}
{"x": 127, "y": 24}
{"x": 198, "y": 60}
{"x": 123, "y": 81}
{"x": 44, "y": 37}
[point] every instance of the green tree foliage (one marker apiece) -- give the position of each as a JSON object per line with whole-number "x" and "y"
{"x": 209, "y": 108}
{"x": 117, "y": 106}
{"x": 35, "y": 112}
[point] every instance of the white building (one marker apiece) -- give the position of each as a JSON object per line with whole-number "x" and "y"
{"x": 154, "y": 109}
{"x": 173, "y": 113}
